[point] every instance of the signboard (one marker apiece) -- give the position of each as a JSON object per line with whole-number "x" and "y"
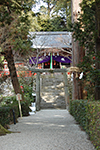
{"x": 19, "y": 97}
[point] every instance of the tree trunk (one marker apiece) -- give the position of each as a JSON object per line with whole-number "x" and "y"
{"x": 10, "y": 59}
{"x": 97, "y": 87}
{"x": 49, "y": 10}
{"x": 77, "y": 52}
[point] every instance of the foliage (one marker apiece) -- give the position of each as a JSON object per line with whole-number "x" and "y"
{"x": 50, "y": 5}
{"x": 70, "y": 88}
{"x": 56, "y": 23}
{"x": 6, "y": 101}
{"x": 58, "y": 8}
{"x": 87, "y": 114}
{"x": 63, "y": 7}
{"x": 14, "y": 33}
{"x": 27, "y": 84}
{"x": 53, "y": 16}
{"x": 25, "y": 108}
{"x": 6, "y": 115}
{"x": 12, "y": 103}
{"x": 15, "y": 25}
{"x": 84, "y": 31}
{"x": 28, "y": 93}
{"x": 1, "y": 62}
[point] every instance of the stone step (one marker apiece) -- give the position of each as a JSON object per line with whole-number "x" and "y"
{"x": 50, "y": 83}
{"x": 52, "y": 92}
{"x": 53, "y": 103}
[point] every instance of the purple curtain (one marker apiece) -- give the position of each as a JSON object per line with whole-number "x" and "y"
{"x": 44, "y": 59}
{"x": 61, "y": 59}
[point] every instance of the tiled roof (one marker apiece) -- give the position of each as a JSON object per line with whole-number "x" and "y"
{"x": 58, "y": 40}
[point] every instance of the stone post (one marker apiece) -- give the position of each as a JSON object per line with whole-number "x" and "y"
{"x": 38, "y": 91}
{"x": 66, "y": 89}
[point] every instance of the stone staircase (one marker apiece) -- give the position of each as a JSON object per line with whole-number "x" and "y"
{"x": 52, "y": 91}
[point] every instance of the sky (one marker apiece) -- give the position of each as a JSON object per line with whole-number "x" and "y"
{"x": 37, "y": 6}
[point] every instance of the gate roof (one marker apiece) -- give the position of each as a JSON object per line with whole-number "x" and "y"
{"x": 45, "y": 40}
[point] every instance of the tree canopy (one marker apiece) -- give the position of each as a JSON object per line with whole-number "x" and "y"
{"x": 53, "y": 16}
{"x": 14, "y": 31}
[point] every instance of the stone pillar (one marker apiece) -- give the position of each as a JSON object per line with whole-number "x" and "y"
{"x": 38, "y": 91}
{"x": 66, "y": 89}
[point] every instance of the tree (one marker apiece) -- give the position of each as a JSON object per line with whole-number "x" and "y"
{"x": 77, "y": 52}
{"x": 88, "y": 37}
{"x": 14, "y": 27}
{"x": 56, "y": 23}
{"x": 53, "y": 16}
{"x": 63, "y": 7}
{"x": 50, "y": 5}
{"x": 97, "y": 16}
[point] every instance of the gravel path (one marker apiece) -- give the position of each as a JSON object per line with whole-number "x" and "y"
{"x": 46, "y": 130}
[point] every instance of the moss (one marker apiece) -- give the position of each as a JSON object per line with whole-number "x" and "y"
{"x": 3, "y": 131}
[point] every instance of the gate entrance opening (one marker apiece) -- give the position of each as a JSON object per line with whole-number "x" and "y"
{"x": 38, "y": 71}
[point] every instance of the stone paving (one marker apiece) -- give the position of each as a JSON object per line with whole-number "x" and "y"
{"x": 46, "y": 130}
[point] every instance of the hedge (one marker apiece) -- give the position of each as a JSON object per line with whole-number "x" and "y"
{"x": 6, "y": 115}
{"x": 87, "y": 114}
{"x": 8, "y": 105}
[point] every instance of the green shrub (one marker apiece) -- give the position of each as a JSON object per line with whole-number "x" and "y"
{"x": 87, "y": 114}
{"x": 93, "y": 115}
{"x": 13, "y": 103}
{"x": 28, "y": 94}
{"x": 8, "y": 100}
{"x": 78, "y": 110}
{"x": 25, "y": 108}
{"x": 6, "y": 115}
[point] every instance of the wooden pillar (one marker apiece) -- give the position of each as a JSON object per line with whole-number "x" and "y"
{"x": 38, "y": 91}
{"x": 66, "y": 89}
